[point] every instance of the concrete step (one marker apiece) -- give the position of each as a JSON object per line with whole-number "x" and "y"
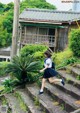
{"x": 46, "y": 102}
{"x": 32, "y": 108}
{"x": 69, "y": 78}
{"x": 74, "y": 70}
{"x": 14, "y": 104}
{"x": 68, "y": 101}
{"x": 69, "y": 89}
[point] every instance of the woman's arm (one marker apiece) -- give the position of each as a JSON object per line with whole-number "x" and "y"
{"x": 44, "y": 68}
{"x": 47, "y": 64}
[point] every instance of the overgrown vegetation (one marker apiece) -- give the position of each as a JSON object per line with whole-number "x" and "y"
{"x": 74, "y": 41}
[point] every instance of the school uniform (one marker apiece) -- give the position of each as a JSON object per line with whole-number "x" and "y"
{"x": 49, "y": 72}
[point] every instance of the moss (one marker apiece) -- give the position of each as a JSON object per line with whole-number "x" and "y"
{"x": 4, "y": 101}
{"x": 36, "y": 101}
{"x": 56, "y": 103}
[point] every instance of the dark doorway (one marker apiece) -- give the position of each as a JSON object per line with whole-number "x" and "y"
{"x": 51, "y": 34}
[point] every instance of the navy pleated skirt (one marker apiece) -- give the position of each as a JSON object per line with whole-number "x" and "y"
{"x": 49, "y": 72}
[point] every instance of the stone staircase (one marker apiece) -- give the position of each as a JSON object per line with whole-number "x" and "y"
{"x": 56, "y": 98}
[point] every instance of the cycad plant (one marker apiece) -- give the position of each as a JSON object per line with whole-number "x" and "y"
{"x": 24, "y": 69}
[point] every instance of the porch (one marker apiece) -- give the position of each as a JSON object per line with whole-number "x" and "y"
{"x": 48, "y": 40}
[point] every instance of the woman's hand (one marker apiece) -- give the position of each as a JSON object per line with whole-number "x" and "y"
{"x": 41, "y": 70}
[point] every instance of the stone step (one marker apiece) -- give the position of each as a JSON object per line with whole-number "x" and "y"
{"x": 68, "y": 101}
{"x": 77, "y": 65}
{"x": 74, "y": 70}
{"x": 46, "y": 102}
{"x": 14, "y": 104}
{"x": 32, "y": 108}
{"x": 76, "y": 111}
{"x": 70, "y": 79}
{"x": 69, "y": 89}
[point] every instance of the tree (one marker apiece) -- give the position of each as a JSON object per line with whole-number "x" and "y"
{"x": 1, "y": 8}
{"x": 9, "y": 6}
{"x": 36, "y": 4}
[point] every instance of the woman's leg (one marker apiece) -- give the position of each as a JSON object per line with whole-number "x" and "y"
{"x": 52, "y": 80}
{"x": 43, "y": 84}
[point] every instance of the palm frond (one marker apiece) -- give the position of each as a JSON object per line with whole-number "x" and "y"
{"x": 33, "y": 66}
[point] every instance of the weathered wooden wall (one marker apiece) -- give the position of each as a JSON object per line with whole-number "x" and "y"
{"x": 62, "y": 38}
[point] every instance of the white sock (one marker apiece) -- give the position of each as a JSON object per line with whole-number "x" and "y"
{"x": 60, "y": 80}
{"x": 41, "y": 90}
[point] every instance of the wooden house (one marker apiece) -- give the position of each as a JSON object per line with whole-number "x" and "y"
{"x": 50, "y": 27}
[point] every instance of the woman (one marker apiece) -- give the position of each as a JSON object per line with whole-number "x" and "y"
{"x": 49, "y": 73}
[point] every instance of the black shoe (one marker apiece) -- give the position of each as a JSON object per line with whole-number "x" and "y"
{"x": 41, "y": 92}
{"x": 63, "y": 83}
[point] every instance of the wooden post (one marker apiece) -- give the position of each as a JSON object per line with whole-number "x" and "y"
{"x": 15, "y": 28}
{"x": 25, "y": 33}
{"x": 56, "y": 39}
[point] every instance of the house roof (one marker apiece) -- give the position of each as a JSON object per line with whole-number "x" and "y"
{"x": 48, "y": 16}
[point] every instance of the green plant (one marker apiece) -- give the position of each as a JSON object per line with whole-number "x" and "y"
{"x": 24, "y": 69}
{"x": 3, "y": 65}
{"x": 74, "y": 41}
{"x": 8, "y": 85}
{"x": 62, "y": 106}
{"x": 78, "y": 77}
{"x": 33, "y": 49}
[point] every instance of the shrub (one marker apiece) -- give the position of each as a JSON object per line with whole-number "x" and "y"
{"x": 39, "y": 55}
{"x": 61, "y": 56}
{"x": 74, "y": 41}
{"x": 32, "y": 49}
{"x": 3, "y": 65}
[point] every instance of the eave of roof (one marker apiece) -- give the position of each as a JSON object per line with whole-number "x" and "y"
{"x": 48, "y": 16}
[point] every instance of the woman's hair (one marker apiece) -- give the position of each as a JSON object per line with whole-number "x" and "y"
{"x": 48, "y": 54}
